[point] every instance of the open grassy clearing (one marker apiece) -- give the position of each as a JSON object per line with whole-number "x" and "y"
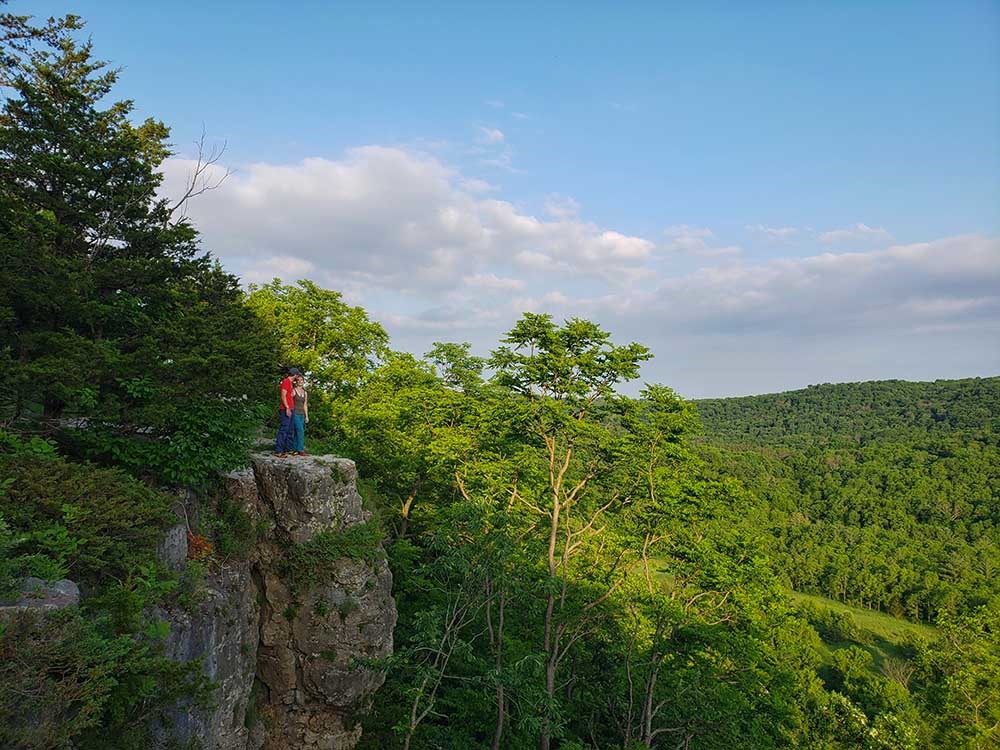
{"x": 885, "y": 637}
{"x": 879, "y": 624}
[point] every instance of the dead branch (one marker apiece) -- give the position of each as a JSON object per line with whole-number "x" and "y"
{"x": 202, "y": 179}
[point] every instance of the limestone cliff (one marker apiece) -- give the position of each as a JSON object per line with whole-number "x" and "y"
{"x": 285, "y": 656}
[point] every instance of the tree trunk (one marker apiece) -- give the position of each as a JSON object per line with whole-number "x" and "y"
{"x": 545, "y": 740}
{"x": 53, "y": 407}
{"x": 405, "y": 510}
{"x": 501, "y": 696}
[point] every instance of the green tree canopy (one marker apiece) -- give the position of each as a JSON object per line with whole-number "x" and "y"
{"x": 334, "y": 343}
{"x": 108, "y": 312}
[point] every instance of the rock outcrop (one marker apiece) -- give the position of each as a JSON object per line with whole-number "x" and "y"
{"x": 36, "y": 594}
{"x": 288, "y": 657}
{"x": 222, "y": 631}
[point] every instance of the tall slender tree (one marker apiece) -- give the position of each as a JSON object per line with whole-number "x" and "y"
{"x": 109, "y": 313}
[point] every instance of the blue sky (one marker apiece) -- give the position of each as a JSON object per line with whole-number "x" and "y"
{"x": 767, "y": 194}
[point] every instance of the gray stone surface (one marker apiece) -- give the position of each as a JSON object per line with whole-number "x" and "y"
{"x": 173, "y": 548}
{"x": 221, "y": 631}
{"x": 305, "y": 661}
{"x": 306, "y": 494}
{"x": 298, "y": 646}
{"x": 37, "y": 594}
{"x": 241, "y": 487}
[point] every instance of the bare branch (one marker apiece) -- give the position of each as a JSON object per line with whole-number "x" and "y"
{"x": 203, "y": 179}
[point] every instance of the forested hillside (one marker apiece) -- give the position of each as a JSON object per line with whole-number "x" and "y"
{"x": 854, "y": 414}
{"x": 884, "y": 494}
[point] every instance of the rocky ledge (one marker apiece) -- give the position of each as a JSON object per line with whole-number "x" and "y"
{"x": 36, "y": 594}
{"x": 292, "y": 658}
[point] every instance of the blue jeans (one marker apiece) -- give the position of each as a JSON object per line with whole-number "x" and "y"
{"x": 299, "y": 432}
{"x": 285, "y": 433}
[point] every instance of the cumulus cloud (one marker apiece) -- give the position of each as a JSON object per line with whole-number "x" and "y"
{"x": 561, "y": 207}
{"x": 956, "y": 277}
{"x": 854, "y": 234}
{"x": 386, "y": 217}
{"x": 490, "y": 281}
{"x": 438, "y": 255}
{"x": 278, "y": 266}
{"x": 774, "y": 234}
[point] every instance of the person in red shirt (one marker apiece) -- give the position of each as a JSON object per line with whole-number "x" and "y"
{"x": 286, "y": 409}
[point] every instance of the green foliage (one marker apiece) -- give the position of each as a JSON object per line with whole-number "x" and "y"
{"x": 457, "y": 367}
{"x": 130, "y": 347}
{"x": 232, "y": 532}
{"x": 12, "y": 443}
{"x": 68, "y": 679}
{"x": 312, "y": 562}
{"x": 849, "y": 414}
{"x": 108, "y": 314}
{"x": 961, "y": 675}
{"x": 835, "y": 621}
{"x": 882, "y": 495}
{"x": 907, "y": 523}
{"x": 93, "y": 523}
{"x": 570, "y": 569}
{"x": 333, "y": 343}
{"x": 574, "y": 363}
{"x": 660, "y": 586}
{"x": 93, "y": 676}
{"x": 191, "y": 588}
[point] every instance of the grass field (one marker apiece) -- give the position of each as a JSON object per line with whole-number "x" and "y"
{"x": 879, "y": 624}
{"x": 881, "y": 634}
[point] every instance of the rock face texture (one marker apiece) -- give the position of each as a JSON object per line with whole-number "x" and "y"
{"x": 222, "y": 632}
{"x": 285, "y": 656}
{"x": 36, "y": 594}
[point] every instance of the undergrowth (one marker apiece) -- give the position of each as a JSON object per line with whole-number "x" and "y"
{"x": 93, "y": 676}
{"x": 312, "y": 561}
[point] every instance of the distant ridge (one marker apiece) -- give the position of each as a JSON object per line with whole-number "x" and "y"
{"x": 854, "y": 413}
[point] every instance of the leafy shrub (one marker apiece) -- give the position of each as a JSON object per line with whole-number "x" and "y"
{"x": 93, "y": 523}
{"x": 92, "y": 676}
{"x": 186, "y": 444}
{"x": 232, "y": 532}
{"x": 834, "y": 626}
{"x": 192, "y": 588}
{"x": 312, "y": 561}
{"x": 11, "y": 442}
{"x": 66, "y": 679}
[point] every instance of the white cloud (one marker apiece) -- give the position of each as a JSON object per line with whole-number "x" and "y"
{"x": 561, "y": 207}
{"x": 278, "y": 266}
{"x": 491, "y": 136}
{"x": 854, "y": 234}
{"x": 473, "y": 185}
{"x": 696, "y": 241}
{"x": 503, "y": 160}
{"x": 830, "y": 292}
{"x": 774, "y": 234}
{"x": 492, "y": 282}
{"x": 389, "y": 218}
{"x": 436, "y": 254}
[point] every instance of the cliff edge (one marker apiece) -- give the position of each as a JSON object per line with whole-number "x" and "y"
{"x": 289, "y": 634}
